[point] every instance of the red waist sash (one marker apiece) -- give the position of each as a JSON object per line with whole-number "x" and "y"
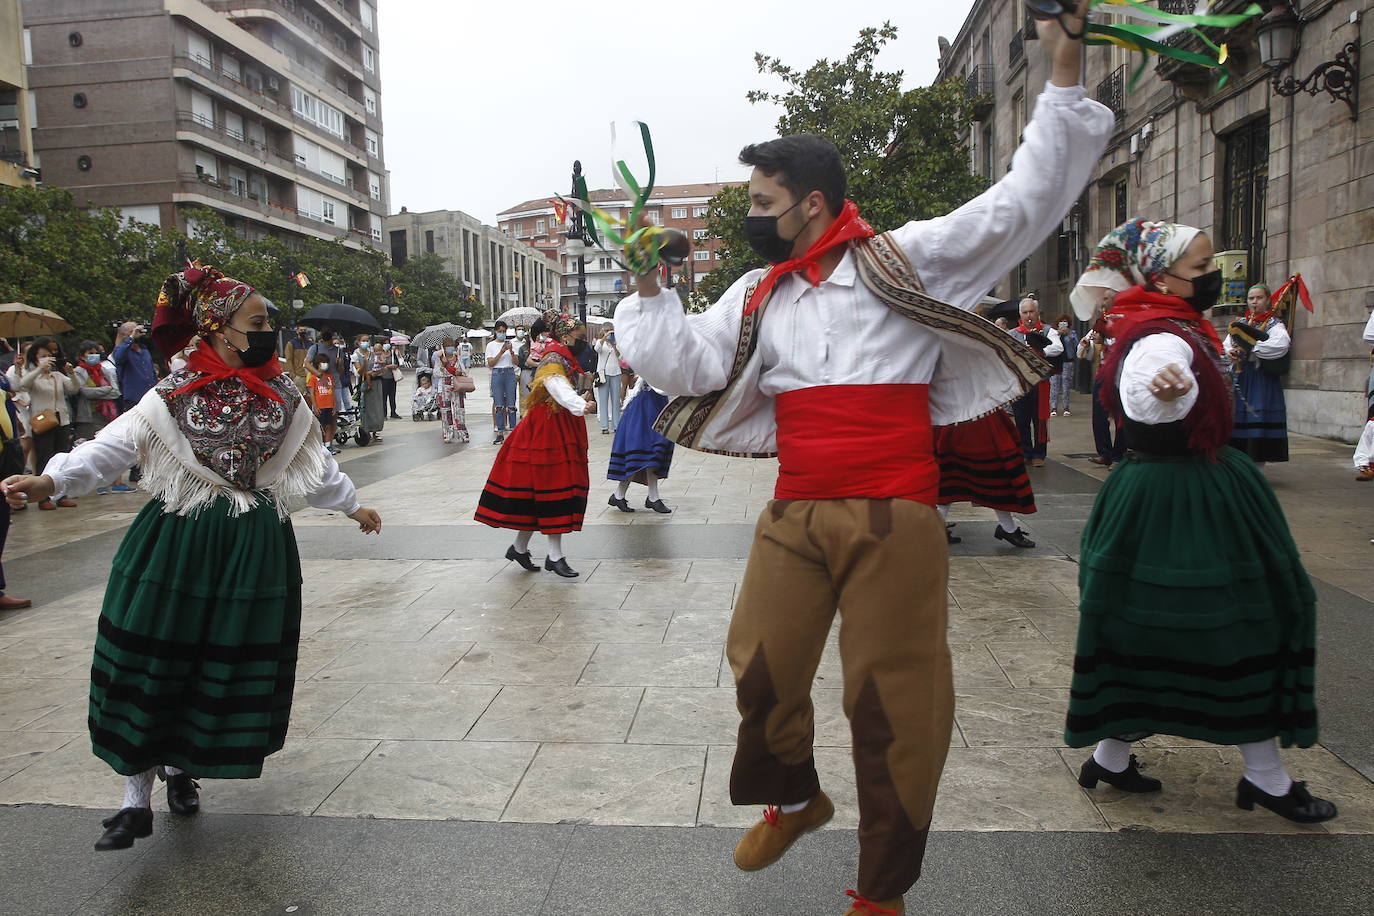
{"x": 856, "y": 442}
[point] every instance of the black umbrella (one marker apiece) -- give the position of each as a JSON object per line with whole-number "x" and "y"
{"x": 344, "y": 318}
{"x": 1010, "y": 310}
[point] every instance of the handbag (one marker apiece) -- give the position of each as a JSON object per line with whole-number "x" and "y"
{"x": 464, "y": 384}
{"x": 42, "y": 422}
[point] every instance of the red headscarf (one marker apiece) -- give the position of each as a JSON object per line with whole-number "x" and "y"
{"x": 847, "y": 226}
{"x": 197, "y": 300}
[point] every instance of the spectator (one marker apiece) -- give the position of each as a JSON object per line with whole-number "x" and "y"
{"x": 608, "y": 381}
{"x": 586, "y": 358}
{"x": 48, "y": 382}
{"x": 321, "y": 388}
{"x": 297, "y": 355}
{"x": 9, "y": 429}
{"x": 21, "y": 404}
{"x": 1062, "y": 382}
{"x": 465, "y": 351}
{"x": 390, "y": 374}
{"x": 327, "y": 348}
{"x": 133, "y": 359}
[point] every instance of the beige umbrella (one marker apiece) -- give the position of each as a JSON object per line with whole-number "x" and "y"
{"x": 20, "y": 320}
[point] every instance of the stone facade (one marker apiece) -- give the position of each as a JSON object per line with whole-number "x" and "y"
{"x": 1288, "y": 180}
{"x": 16, "y": 141}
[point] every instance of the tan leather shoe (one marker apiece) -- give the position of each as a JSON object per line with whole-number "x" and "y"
{"x": 8, "y": 603}
{"x": 767, "y": 841}
{"x": 862, "y": 906}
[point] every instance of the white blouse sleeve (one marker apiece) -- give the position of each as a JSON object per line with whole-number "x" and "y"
{"x": 336, "y": 491}
{"x": 1056, "y": 345}
{"x": 1277, "y": 345}
{"x": 1138, "y": 369}
{"x": 680, "y": 353}
{"x": 96, "y": 462}
{"x": 563, "y": 393}
{"x": 961, "y": 255}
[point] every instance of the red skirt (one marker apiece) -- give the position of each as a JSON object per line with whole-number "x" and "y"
{"x": 539, "y": 479}
{"x": 981, "y": 462}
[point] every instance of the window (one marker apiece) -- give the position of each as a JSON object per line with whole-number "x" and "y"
{"x": 316, "y": 112}
{"x": 605, "y": 263}
{"x": 369, "y": 100}
{"x": 700, "y": 212}
{"x": 429, "y": 241}
{"x": 986, "y": 165}
{"x": 656, "y": 217}
{"x": 1245, "y": 176}
{"x": 369, "y": 59}
{"x": 539, "y": 227}
{"x": 231, "y": 67}
{"x": 205, "y": 166}
{"x": 700, "y": 255}
{"x": 398, "y": 247}
{"x": 327, "y": 211}
{"x": 698, "y": 234}
{"x": 372, "y": 144}
{"x": 367, "y": 15}
{"x": 374, "y": 186}
{"x": 198, "y": 48}
{"x": 679, "y": 213}
{"x": 1119, "y": 200}
{"x": 202, "y": 109}
{"x": 233, "y": 125}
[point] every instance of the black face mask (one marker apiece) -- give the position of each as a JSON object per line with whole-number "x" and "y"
{"x": 262, "y": 345}
{"x": 1206, "y": 290}
{"x": 762, "y": 234}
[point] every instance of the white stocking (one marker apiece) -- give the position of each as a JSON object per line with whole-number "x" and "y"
{"x": 1264, "y": 769}
{"x": 793, "y": 809}
{"x": 651, "y": 479}
{"x": 172, "y": 771}
{"x": 522, "y": 541}
{"x": 1113, "y": 754}
{"x": 943, "y": 509}
{"x": 138, "y": 790}
{"x": 1008, "y": 524}
{"x": 555, "y": 547}
{"x": 621, "y": 489}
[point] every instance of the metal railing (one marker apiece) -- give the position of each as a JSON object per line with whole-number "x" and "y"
{"x": 223, "y": 78}
{"x": 192, "y": 121}
{"x": 978, "y": 88}
{"x": 1016, "y": 49}
{"x": 1112, "y": 92}
{"x": 292, "y": 11}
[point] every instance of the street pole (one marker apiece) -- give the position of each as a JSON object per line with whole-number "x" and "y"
{"x": 577, "y": 232}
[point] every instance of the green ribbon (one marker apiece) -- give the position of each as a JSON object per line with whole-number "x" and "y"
{"x": 641, "y": 245}
{"x": 1146, "y": 38}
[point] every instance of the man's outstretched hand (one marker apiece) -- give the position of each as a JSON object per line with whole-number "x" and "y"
{"x": 1065, "y": 53}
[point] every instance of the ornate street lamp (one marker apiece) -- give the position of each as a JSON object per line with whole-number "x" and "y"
{"x": 1278, "y": 33}
{"x": 578, "y": 243}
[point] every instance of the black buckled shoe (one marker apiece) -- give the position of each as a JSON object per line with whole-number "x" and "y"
{"x": 950, "y": 536}
{"x": 1128, "y": 780}
{"x": 1015, "y": 538}
{"x": 620, "y": 503}
{"x": 183, "y": 792}
{"x": 524, "y": 559}
{"x": 1298, "y": 805}
{"x": 123, "y": 828}
{"x": 657, "y": 506}
{"x": 560, "y": 567}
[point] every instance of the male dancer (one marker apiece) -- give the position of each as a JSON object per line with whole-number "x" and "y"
{"x": 1032, "y": 412}
{"x": 853, "y": 333}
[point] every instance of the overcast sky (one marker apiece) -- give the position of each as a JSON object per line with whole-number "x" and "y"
{"x": 487, "y": 104}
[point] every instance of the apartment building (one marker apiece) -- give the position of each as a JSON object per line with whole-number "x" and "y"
{"x": 265, "y": 111}
{"x": 501, "y": 271}
{"x": 682, "y": 207}
{"x": 16, "y": 146}
{"x": 1284, "y": 181}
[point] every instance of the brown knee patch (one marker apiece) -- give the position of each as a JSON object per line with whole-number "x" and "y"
{"x": 758, "y": 777}
{"x": 880, "y": 517}
{"x": 891, "y": 848}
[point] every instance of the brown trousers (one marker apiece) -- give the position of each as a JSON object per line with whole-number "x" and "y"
{"x": 884, "y": 564}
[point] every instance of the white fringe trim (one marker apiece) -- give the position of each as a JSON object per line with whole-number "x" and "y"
{"x": 186, "y": 491}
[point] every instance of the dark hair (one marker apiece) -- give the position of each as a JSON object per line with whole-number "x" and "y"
{"x": 502, "y": 324}
{"x": 540, "y": 326}
{"x": 42, "y": 343}
{"x": 804, "y": 162}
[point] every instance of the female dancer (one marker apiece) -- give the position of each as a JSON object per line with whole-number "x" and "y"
{"x": 638, "y": 453}
{"x": 981, "y": 462}
{"x": 539, "y": 479}
{"x": 195, "y": 657}
{"x": 1197, "y": 616}
{"x": 1257, "y": 346}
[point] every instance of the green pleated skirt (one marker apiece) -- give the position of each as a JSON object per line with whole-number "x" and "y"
{"x": 1197, "y": 618}
{"x": 195, "y": 658}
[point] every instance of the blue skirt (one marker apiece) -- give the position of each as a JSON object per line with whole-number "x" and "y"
{"x": 1261, "y": 415}
{"x": 637, "y": 449}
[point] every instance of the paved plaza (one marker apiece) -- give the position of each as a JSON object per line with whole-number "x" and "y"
{"x": 471, "y": 738}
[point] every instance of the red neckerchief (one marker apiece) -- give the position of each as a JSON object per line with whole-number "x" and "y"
{"x": 847, "y": 226}
{"x": 1137, "y": 305}
{"x": 555, "y": 348}
{"x": 1038, "y": 329}
{"x": 1258, "y": 320}
{"x": 211, "y": 368}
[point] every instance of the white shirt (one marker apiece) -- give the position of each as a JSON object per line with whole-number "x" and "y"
{"x": 1138, "y": 369}
{"x": 507, "y": 360}
{"x": 608, "y": 359}
{"x": 563, "y": 392}
{"x": 839, "y": 333}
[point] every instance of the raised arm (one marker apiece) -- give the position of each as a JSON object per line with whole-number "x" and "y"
{"x": 677, "y": 353}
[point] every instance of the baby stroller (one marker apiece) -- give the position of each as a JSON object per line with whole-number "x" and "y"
{"x": 424, "y": 403}
{"x": 347, "y": 426}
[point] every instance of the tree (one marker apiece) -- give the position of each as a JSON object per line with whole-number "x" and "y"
{"x": 903, "y": 150}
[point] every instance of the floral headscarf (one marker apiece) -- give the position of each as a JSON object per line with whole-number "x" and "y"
{"x": 197, "y": 300}
{"x": 1132, "y": 254}
{"x": 560, "y": 324}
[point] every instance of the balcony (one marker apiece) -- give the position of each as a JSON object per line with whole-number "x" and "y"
{"x": 308, "y": 25}
{"x": 251, "y": 148}
{"x": 243, "y": 199}
{"x": 1016, "y": 50}
{"x": 223, "y": 79}
{"x": 1112, "y": 92}
{"x": 978, "y": 90}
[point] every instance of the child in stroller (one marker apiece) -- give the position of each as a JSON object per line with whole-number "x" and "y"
{"x": 424, "y": 403}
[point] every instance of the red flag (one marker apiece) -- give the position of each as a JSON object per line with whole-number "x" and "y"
{"x": 1286, "y": 289}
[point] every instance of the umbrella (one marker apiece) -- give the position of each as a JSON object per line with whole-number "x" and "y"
{"x": 399, "y": 340}
{"x": 598, "y": 319}
{"x": 346, "y": 319}
{"x": 20, "y": 320}
{"x": 1009, "y": 309}
{"x": 520, "y": 317}
{"x": 479, "y": 333}
{"x": 434, "y": 335}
